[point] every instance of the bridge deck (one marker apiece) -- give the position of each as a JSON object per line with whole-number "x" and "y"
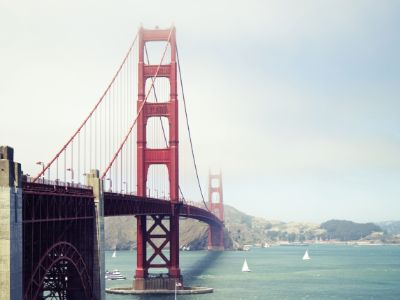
{"x": 121, "y": 204}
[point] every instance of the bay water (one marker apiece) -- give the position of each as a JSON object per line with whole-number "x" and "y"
{"x": 278, "y": 272}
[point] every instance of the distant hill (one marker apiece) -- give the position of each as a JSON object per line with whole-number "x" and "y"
{"x": 245, "y": 229}
{"x": 241, "y": 229}
{"x": 390, "y": 227}
{"x": 120, "y": 233}
{"x": 347, "y": 230}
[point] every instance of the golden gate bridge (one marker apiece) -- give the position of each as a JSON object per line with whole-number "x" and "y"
{"x": 122, "y": 160}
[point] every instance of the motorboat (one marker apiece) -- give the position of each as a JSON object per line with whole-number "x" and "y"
{"x": 114, "y": 275}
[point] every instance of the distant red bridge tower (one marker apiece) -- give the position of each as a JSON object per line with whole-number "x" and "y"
{"x": 216, "y": 206}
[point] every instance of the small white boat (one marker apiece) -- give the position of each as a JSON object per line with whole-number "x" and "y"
{"x": 114, "y": 275}
{"x": 114, "y": 255}
{"x": 246, "y": 247}
{"x": 245, "y": 267}
{"x": 306, "y": 256}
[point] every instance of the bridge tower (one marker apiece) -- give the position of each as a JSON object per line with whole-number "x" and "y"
{"x": 216, "y": 206}
{"x": 11, "y": 277}
{"x": 149, "y": 234}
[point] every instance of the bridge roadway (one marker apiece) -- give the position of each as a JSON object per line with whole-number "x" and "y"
{"x": 121, "y": 204}
{"x": 116, "y": 204}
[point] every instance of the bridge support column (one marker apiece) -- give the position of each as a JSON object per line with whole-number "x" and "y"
{"x": 216, "y": 238}
{"x": 93, "y": 180}
{"x": 174, "y": 269}
{"x": 10, "y": 226}
{"x": 141, "y": 245}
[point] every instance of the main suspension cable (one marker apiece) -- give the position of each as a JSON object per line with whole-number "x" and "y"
{"x": 188, "y": 129}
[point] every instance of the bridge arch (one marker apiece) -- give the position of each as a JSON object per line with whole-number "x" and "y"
{"x": 56, "y": 262}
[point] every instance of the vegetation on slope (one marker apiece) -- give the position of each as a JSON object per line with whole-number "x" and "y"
{"x": 120, "y": 233}
{"x": 241, "y": 229}
{"x": 245, "y": 229}
{"x": 348, "y": 231}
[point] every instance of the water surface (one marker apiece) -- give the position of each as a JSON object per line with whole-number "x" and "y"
{"x": 334, "y": 272}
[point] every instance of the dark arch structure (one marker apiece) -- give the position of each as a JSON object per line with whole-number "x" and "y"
{"x": 58, "y": 225}
{"x": 60, "y": 274}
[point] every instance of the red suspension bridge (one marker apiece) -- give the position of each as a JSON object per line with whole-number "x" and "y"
{"x": 122, "y": 160}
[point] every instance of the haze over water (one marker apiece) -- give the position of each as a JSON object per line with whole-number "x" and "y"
{"x": 334, "y": 272}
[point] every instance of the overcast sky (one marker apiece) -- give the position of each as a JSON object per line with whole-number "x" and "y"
{"x": 297, "y": 102}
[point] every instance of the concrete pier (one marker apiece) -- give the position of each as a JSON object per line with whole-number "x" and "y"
{"x": 93, "y": 180}
{"x": 10, "y": 226}
{"x": 181, "y": 291}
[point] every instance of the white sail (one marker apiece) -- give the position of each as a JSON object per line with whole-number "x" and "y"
{"x": 245, "y": 267}
{"x": 306, "y": 256}
{"x": 114, "y": 254}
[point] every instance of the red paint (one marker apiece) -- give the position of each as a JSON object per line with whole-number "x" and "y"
{"x": 167, "y": 156}
{"x": 216, "y": 233}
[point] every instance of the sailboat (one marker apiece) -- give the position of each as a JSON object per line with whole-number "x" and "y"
{"x": 114, "y": 255}
{"x": 245, "y": 267}
{"x": 306, "y": 256}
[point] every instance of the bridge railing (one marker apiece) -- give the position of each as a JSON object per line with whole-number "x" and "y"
{"x": 195, "y": 203}
{"x": 45, "y": 186}
{"x": 56, "y": 182}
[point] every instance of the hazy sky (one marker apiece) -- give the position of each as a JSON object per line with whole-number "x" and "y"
{"x": 296, "y": 101}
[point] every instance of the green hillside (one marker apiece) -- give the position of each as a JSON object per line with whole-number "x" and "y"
{"x": 120, "y": 233}
{"x": 242, "y": 229}
{"x": 245, "y": 229}
{"x": 348, "y": 231}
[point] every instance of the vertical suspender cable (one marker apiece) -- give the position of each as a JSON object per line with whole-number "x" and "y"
{"x": 95, "y": 165}
{"x": 72, "y": 161}
{"x": 84, "y": 152}
{"x": 90, "y": 145}
{"x": 188, "y": 129}
{"x": 90, "y": 114}
{"x": 100, "y": 137}
{"x": 79, "y": 158}
{"x": 65, "y": 166}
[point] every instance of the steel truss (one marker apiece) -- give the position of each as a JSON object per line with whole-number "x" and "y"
{"x": 58, "y": 242}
